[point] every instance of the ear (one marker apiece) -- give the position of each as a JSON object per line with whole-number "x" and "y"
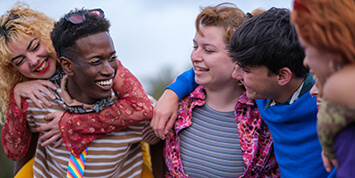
{"x": 284, "y": 76}
{"x": 67, "y": 65}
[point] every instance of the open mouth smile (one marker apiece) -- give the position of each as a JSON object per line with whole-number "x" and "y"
{"x": 41, "y": 68}
{"x": 200, "y": 69}
{"x": 105, "y": 83}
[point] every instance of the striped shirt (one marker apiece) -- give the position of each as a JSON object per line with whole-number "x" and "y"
{"x": 117, "y": 154}
{"x": 254, "y": 138}
{"x": 211, "y": 147}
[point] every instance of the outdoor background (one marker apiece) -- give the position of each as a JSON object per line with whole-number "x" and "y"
{"x": 153, "y": 38}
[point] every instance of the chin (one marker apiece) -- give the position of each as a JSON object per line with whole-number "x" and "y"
{"x": 106, "y": 95}
{"x": 251, "y": 95}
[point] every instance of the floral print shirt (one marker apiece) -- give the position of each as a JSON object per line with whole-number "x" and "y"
{"x": 254, "y": 136}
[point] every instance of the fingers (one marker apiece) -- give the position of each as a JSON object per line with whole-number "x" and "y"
{"x": 327, "y": 163}
{"x": 41, "y": 97}
{"x": 52, "y": 127}
{"x": 50, "y": 116}
{"x": 35, "y": 101}
{"x": 49, "y": 138}
{"x": 170, "y": 123}
{"x": 158, "y": 124}
{"x": 35, "y": 90}
{"x": 160, "y": 127}
{"x": 335, "y": 163}
{"x": 59, "y": 142}
{"x": 44, "y": 128}
{"x": 49, "y": 84}
{"x": 53, "y": 124}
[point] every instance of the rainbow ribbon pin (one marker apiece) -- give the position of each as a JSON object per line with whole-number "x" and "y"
{"x": 76, "y": 165}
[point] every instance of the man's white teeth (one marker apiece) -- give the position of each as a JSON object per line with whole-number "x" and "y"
{"x": 201, "y": 69}
{"x": 105, "y": 83}
{"x": 42, "y": 66}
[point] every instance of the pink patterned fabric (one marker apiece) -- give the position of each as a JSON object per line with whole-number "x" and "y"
{"x": 133, "y": 106}
{"x": 78, "y": 130}
{"x": 15, "y": 136}
{"x": 254, "y": 136}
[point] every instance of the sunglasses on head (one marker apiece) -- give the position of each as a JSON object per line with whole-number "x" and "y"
{"x": 79, "y": 17}
{"x": 76, "y": 18}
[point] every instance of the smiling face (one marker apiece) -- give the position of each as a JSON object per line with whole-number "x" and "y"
{"x": 258, "y": 82}
{"x": 318, "y": 61}
{"x": 31, "y": 58}
{"x": 211, "y": 62}
{"x": 94, "y": 68}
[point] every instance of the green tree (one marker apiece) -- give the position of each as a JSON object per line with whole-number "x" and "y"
{"x": 157, "y": 84}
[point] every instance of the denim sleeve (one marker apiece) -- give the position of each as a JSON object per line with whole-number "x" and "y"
{"x": 184, "y": 84}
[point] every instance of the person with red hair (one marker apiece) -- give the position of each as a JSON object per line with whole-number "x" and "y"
{"x": 326, "y": 32}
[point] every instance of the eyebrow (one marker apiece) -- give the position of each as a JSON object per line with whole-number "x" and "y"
{"x": 28, "y": 47}
{"x": 205, "y": 44}
{"x": 112, "y": 53}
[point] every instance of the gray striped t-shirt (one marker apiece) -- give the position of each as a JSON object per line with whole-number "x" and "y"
{"x": 210, "y": 147}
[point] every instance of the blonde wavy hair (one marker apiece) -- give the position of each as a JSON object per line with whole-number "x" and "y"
{"x": 17, "y": 24}
{"x": 327, "y": 25}
{"x": 226, "y": 15}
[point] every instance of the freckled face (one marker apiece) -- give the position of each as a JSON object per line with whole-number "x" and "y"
{"x": 32, "y": 59}
{"x": 210, "y": 58}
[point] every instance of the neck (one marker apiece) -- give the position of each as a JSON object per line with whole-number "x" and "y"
{"x": 225, "y": 98}
{"x": 77, "y": 93}
{"x": 289, "y": 89}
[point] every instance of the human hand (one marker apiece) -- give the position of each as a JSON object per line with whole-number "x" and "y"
{"x": 52, "y": 127}
{"x": 165, "y": 113}
{"x": 329, "y": 163}
{"x": 32, "y": 89}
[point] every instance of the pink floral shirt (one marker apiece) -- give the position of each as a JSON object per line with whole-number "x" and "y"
{"x": 254, "y": 137}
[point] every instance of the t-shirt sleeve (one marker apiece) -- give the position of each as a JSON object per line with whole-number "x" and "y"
{"x": 184, "y": 84}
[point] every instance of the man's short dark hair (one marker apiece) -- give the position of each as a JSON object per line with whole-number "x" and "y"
{"x": 270, "y": 40}
{"x": 70, "y": 32}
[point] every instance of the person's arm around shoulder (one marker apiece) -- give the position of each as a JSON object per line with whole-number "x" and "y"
{"x": 15, "y": 135}
{"x": 132, "y": 107}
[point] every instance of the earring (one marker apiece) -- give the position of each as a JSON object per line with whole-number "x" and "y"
{"x": 17, "y": 73}
{"x": 332, "y": 68}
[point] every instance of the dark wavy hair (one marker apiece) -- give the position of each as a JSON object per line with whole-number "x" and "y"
{"x": 269, "y": 39}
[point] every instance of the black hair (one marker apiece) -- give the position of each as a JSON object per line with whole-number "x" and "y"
{"x": 268, "y": 39}
{"x": 70, "y": 32}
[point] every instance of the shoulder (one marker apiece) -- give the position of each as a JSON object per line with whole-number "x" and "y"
{"x": 339, "y": 88}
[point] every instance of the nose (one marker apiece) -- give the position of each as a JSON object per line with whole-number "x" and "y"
{"x": 306, "y": 61}
{"x": 237, "y": 72}
{"x": 33, "y": 60}
{"x": 108, "y": 69}
{"x": 196, "y": 55}
{"x": 314, "y": 90}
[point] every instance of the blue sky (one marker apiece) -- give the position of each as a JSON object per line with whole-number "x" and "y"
{"x": 148, "y": 34}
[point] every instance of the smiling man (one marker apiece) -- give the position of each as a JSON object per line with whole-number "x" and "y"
{"x": 88, "y": 59}
{"x": 271, "y": 68}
